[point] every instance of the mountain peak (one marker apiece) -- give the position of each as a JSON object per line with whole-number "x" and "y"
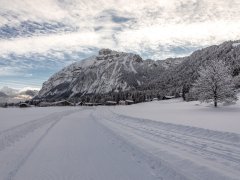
{"x": 109, "y": 71}
{"x": 106, "y": 51}
{"x": 108, "y": 54}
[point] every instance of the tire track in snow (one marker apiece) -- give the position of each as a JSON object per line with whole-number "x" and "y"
{"x": 213, "y": 148}
{"x": 219, "y": 150}
{"x": 15, "y": 170}
{"x": 158, "y": 168}
{"x": 79, "y": 148}
{"x": 11, "y": 136}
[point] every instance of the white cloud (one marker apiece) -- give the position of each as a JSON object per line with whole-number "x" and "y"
{"x": 9, "y": 71}
{"x": 28, "y": 88}
{"x": 28, "y": 75}
{"x": 44, "y": 43}
{"x": 151, "y": 23}
{"x": 31, "y": 10}
{"x": 155, "y": 29}
{"x": 19, "y": 85}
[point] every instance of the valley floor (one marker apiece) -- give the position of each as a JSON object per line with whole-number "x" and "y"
{"x": 143, "y": 141}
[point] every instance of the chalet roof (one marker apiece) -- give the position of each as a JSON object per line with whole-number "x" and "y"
{"x": 169, "y": 96}
{"x": 23, "y": 103}
{"x": 130, "y": 101}
{"x": 63, "y": 101}
{"x": 111, "y": 102}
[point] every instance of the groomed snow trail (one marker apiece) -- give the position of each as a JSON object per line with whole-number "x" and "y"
{"x": 18, "y": 143}
{"x": 177, "y": 151}
{"x": 76, "y": 147}
{"x": 98, "y": 144}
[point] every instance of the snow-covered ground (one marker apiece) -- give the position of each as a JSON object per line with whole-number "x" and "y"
{"x": 157, "y": 140}
{"x": 11, "y": 117}
{"x": 223, "y": 118}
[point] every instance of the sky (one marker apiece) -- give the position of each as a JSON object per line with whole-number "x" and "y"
{"x": 38, "y": 38}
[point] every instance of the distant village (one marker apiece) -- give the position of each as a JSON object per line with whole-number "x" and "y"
{"x": 63, "y": 102}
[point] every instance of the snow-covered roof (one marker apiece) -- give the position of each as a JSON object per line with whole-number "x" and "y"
{"x": 63, "y": 101}
{"x": 111, "y": 102}
{"x": 169, "y": 96}
{"x": 128, "y": 100}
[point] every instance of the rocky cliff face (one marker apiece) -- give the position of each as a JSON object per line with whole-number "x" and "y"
{"x": 109, "y": 71}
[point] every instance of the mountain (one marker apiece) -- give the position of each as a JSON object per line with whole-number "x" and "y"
{"x": 109, "y": 71}
{"x": 3, "y": 95}
{"x": 9, "y": 91}
{"x": 30, "y": 93}
{"x": 179, "y": 79}
{"x": 115, "y": 72}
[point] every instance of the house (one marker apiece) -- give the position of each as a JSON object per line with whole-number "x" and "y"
{"x": 62, "y": 103}
{"x": 121, "y": 102}
{"x": 111, "y": 103}
{"x": 88, "y": 104}
{"x": 98, "y": 104}
{"x": 44, "y": 104}
{"x": 129, "y": 102}
{"x": 168, "y": 97}
{"x": 24, "y": 105}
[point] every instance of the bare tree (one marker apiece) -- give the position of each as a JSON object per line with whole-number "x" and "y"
{"x": 215, "y": 84}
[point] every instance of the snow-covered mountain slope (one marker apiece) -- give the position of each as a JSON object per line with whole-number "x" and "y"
{"x": 109, "y": 71}
{"x": 3, "y": 95}
{"x": 184, "y": 74}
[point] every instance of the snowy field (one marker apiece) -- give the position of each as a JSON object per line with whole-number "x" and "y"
{"x": 223, "y": 118}
{"x": 149, "y": 141}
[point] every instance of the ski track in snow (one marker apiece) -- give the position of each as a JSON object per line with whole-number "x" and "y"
{"x": 192, "y": 153}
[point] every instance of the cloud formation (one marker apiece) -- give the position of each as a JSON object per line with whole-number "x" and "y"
{"x": 43, "y": 36}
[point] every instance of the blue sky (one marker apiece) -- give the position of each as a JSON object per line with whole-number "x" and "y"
{"x": 38, "y": 38}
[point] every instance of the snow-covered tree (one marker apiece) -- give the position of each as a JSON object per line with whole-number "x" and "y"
{"x": 215, "y": 84}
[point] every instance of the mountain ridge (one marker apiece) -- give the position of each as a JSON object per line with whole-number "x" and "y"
{"x": 115, "y": 72}
{"x": 109, "y": 71}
